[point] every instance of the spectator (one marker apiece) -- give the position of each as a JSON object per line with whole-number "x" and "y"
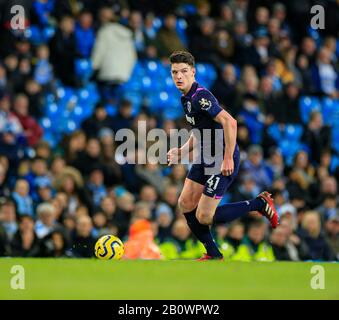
{"x": 286, "y": 108}
{"x": 256, "y": 167}
{"x": 224, "y": 88}
{"x": 313, "y": 237}
{"x": 22, "y": 198}
{"x": 71, "y": 183}
{"x": 164, "y": 219}
{"x": 332, "y": 233}
{"x": 32, "y": 130}
{"x": 167, "y": 39}
{"x": 8, "y": 219}
{"x": 247, "y": 189}
{"x": 25, "y": 242}
{"x": 317, "y": 136}
{"x": 99, "y": 120}
{"x": 254, "y": 247}
{"x": 180, "y": 244}
{"x": 202, "y": 44}
{"x": 46, "y": 222}
{"x": 135, "y": 23}
{"x": 100, "y": 225}
{"x": 230, "y": 244}
{"x": 251, "y": 115}
{"x": 124, "y": 117}
{"x": 258, "y": 53}
{"x": 63, "y": 51}
{"x": 279, "y": 239}
{"x": 43, "y": 71}
{"x": 54, "y": 245}
{"x": 84, "y": 34}
{"x": 325, "y": 75}
{"x": 82, "y": 240}
{"x": 114, "y": 54}
{"x": 4, "y": 188}
{"x": 96, "y": 186}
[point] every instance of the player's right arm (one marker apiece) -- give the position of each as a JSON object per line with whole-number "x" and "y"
{"x": 175, "y": 154}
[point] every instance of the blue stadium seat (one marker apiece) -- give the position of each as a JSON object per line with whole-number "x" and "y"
{"x": 330, "y": 111}
{"x": 275, "y": 132}
{"x": 181, "y": 27}
{"x": 206, "y": 74}
{"x": 48, "y": 33}
{"x": 293, "y": 132}
{"x": 83, "y": 68}
{"x": 308, "y": 104}
{"x": 288, "y": 150}
{"x": 112, "y": 110}
{"x": 155, "y": 69}
{"x": 334, "y": 163}
{"x": 34, "y": 35}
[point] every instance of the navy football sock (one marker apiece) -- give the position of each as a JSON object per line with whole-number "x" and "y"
{"x": 231, "y": 211}
{"x": 202, "y": 233}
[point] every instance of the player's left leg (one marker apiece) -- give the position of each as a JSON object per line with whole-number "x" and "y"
{"x": 208, "y": 211}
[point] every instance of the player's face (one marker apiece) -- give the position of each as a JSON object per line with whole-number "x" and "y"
{"x": 183, "y": 76}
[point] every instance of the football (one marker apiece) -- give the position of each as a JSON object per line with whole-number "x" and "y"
{"x": 109, "y": 247}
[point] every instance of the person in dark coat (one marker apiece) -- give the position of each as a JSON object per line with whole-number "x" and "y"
{"x": 25, "y": 242}
{"x": 63, "y": 51}
{"x": 317, "y": 136}
{"x": 100, "y": 119}
{"x": 82, "y": 241}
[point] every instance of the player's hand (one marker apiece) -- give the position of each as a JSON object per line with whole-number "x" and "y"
{"x": 173, "y": 156}
{"x": 227, "y": 167}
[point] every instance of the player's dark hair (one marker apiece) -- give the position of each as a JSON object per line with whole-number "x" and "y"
{"x": 182, "y": 57}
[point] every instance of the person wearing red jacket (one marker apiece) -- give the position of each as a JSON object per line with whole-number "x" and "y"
{"x": 32, "y": 130}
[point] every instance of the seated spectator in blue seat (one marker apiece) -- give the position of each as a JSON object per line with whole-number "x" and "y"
{"x": 256, "y": 168}
{"x": 96, "y": 186}
{"x": 84, "y": 34}
{"x": 43, "y": 70}
{"x": 22, "y": 198}
{"x": 325, "y": 74}
{"x": 252, "y": 117}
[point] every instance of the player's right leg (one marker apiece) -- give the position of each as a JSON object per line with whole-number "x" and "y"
{"x": 188, "y": 202}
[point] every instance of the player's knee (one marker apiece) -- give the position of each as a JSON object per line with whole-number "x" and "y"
{"x": 204, "y": 217}
{"x": 185, "y": 204}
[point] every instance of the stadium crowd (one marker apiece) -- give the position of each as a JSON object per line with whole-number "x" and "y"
{"x": 60, "y": 192}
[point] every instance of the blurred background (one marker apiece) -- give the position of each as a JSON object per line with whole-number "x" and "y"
{"x": 81, "y": 70}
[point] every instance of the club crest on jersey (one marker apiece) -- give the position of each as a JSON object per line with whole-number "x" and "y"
{"x": 189, "y": 106}
{"x": 205, "y": 104}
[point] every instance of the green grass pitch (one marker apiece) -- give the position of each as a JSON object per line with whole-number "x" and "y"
{"x": 118, "y": 280}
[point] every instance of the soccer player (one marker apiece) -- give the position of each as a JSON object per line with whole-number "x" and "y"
{"x": 202, "y": 192}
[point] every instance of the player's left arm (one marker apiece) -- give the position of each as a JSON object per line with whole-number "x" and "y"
{"x": 209, "y": 104}
{"x": 229, "y": 125}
